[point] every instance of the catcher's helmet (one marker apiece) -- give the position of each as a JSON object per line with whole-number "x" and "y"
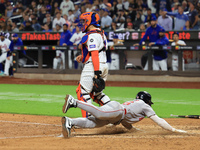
{"x": 89, "y": 18}
{"x": 145, "y": 96}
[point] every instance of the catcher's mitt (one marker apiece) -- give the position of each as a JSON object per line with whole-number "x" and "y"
{"x": 98, "y": 84}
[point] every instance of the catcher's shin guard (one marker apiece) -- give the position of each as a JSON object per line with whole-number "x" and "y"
{"x": 100, "y": 98}
{"x": 85, "y": 97}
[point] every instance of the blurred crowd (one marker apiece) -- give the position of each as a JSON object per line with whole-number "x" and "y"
{"x": 116, "y": 15}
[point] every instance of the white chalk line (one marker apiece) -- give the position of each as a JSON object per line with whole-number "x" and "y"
{"x": 22, "y": 137}
{"x": 44, "y": 124}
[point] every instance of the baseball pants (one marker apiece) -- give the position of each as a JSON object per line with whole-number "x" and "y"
{"x": 8, "y": 64}
{"x": 157, "y": 65}
{"x": 113, "y": 112}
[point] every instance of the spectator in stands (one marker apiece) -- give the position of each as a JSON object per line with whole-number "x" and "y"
{"x": 89, "y": 7}
{"x": 165, "y": 21}
{"x": 49, "y": 22}
{"x": 19, "y": 11}
{"x": 181, "y": 18}
{"x": 185, "y": 5}
{"x": 77, "y": 11}
{"x": 149, "y": 15}
{"x": 58, "y": 20}
{"x": 152, "y": 5}
{"x": 163, "y": 5}
{"x": 130, "y": 27}
{"x": 142, "y": 27}
{"x": 40, "y": 4}
{"x": 14, "y": 27}
{"x": 138, "y": 21}
{"x": 126, "y": 5}
{"x": 58, "y": 28}
{"x": 120, "y": 16}
{"x": 113, "y": 26}
{"x": 28, "y": 26}
{"x": 103, "y": 4}
{"x": 111, "y": 11}
{"x": 187, "y": 26}
{"x": 106, "y": 20}
{"x": 46, "y": 28}
{"x": 83, "y": 9}
{"x": 119, "y": 5}
{"x": 46, "y": 16}
{"x": 131, "y": 13}
{"x": 175, "y": 7}
{"x": 9, "y": 28}
{"x": 70, "y": 16}
{"x": 35, "y": 25}
{"x": 65, "y": 6}
{"x": 193, "y": 16}
{"x": 9, "y": 10}
{"x": 47, "y": 6}
{"x": 54, "y": 9}
{"x": 67, "y": 21}
{"x": 25, "y": 18}
{"x": 33, "y": 5}
{"x": 42, "y": 15}
{"x": 177, "y": 42}
{"x": 2, "y": 9}
{"x": 128, "y": 19}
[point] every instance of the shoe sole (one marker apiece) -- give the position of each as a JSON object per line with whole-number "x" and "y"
{"x": 65, "y": 131}
{"x": 65, "y": 108}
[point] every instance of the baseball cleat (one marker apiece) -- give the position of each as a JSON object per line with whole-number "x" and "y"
{"x": 69, "y": 102}
{"x": 66, "y": 127}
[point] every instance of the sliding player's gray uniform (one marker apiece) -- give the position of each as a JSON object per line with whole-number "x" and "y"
{"x": 113, "y": 112}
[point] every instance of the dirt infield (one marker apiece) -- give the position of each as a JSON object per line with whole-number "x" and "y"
{"x": 186, "y": 85}
{"x": 43, "y": 132}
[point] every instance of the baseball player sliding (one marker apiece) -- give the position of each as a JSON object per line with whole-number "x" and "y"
{"x": 113, "y": 112}
{"x": 93, "y": 47}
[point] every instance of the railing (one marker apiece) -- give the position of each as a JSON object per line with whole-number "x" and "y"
{"x": 39, "y": 63}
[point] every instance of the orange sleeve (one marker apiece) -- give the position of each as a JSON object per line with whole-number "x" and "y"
{"x": 95, "y": 59}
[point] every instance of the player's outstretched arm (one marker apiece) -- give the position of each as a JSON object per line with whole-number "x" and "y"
{"x": 161, "y": 122}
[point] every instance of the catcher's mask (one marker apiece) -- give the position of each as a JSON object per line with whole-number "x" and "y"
{"x": 145, "y": 96}
{"x": 89, "y": 18}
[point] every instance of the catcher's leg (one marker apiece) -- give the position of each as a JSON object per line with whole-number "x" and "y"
{"x": 100, "y": 98}
{"x": 82, "y": 95}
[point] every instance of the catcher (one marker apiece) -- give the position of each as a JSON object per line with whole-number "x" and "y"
{"x": 114, "y": 113}
{"x": 95, "y": 71}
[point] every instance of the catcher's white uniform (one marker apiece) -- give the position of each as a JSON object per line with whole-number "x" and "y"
{"x": 175, "y": 57}
{"x": 92, "y": 41}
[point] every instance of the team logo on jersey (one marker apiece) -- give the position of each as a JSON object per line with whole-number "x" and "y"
{"x": 91, "y": 40}
{"x": 92, "y": 46}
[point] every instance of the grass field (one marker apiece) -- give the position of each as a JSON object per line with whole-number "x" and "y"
{"x": 48, "y": 99}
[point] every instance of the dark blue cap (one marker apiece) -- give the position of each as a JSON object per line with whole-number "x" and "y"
{"x": 153, "y": 18}
{"x": 15, "y": 35}
{"x": 2, "y": 34}
{"x": 176, "y": 33}
{"x": 162, "y": 30}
